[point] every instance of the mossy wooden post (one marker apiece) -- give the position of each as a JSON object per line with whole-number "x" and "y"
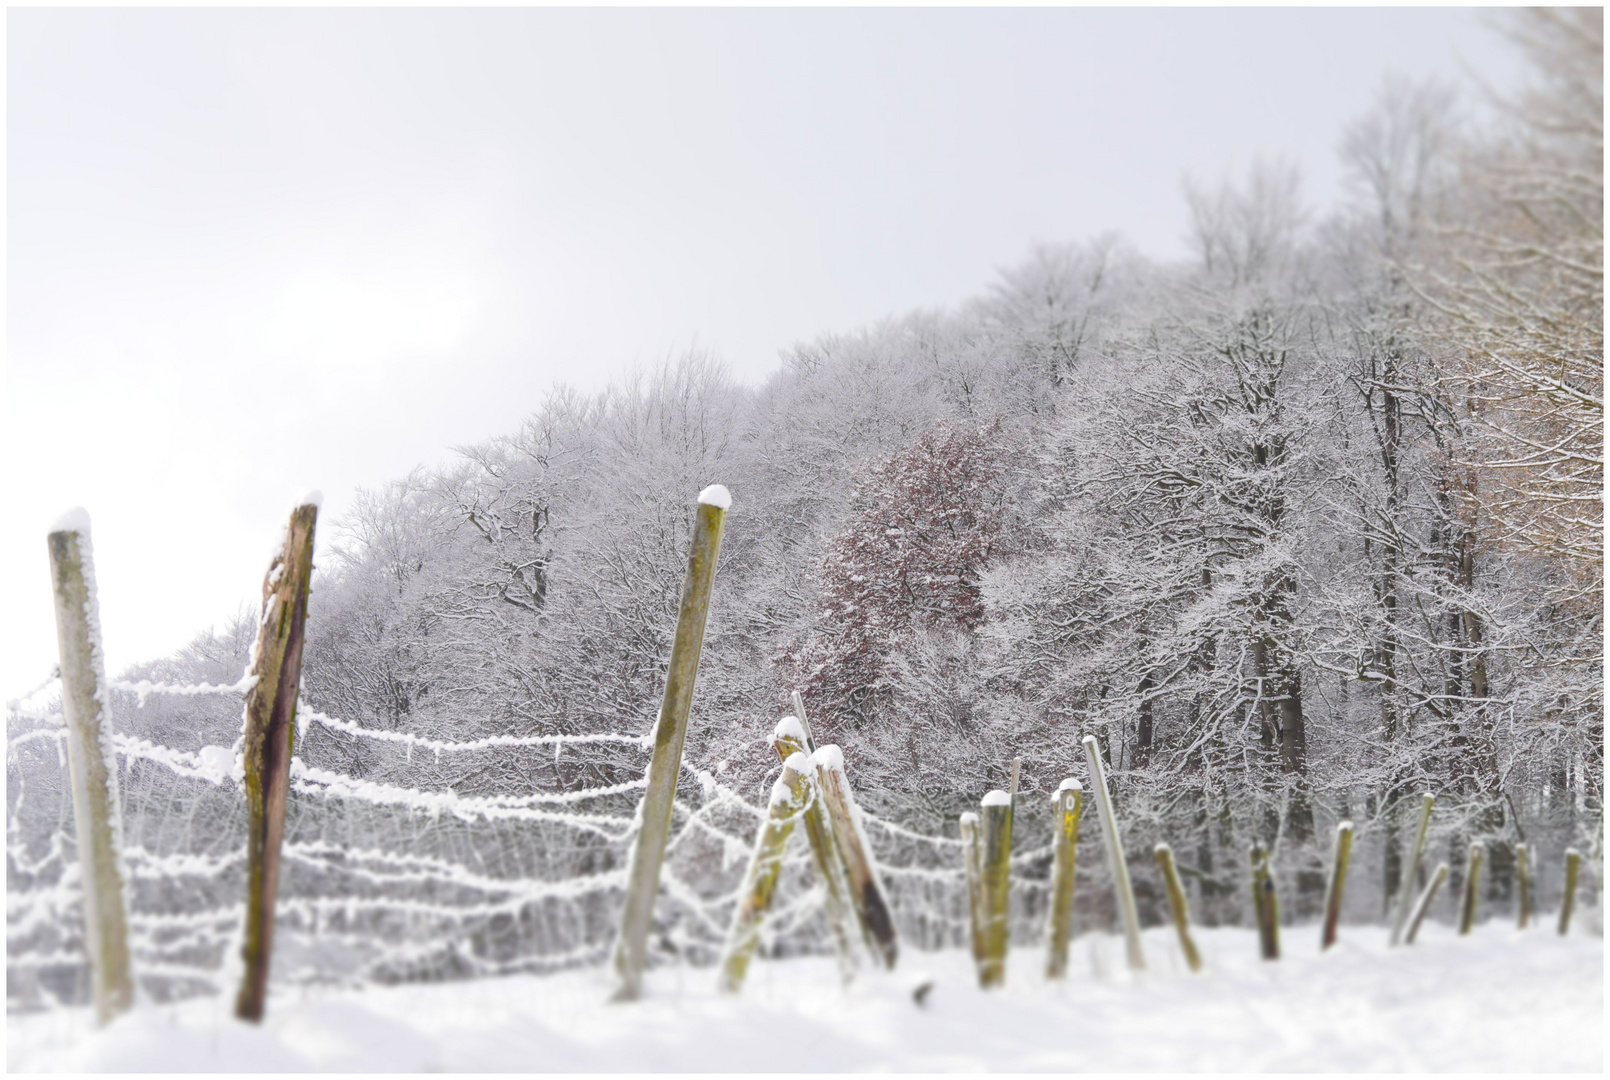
{"x": 1338, "y": 885}
{"x": 1176, "y": 902}
{"x": 866, "y": 891}
{"x": 1472, "y": 894}
{"x": 269, "y": 738}
{"x": 97, "y": 811}
{"x": 973, "y": 861}
{"x": 1265, "y": 904}
{"x": 1523, "y": 875}
{"x": 995, "y": 886}
{"x": 670, "y": 731}
{"x": 1423, "y": 905}
{"x": 789, "y": 797}
{"x": 791, "y": 737}
{"x": 1066, "y": 806}
{"x": 1411, "y": 870}
{"x": 1573, "y": 870}
{"x": 1115, "y": 855}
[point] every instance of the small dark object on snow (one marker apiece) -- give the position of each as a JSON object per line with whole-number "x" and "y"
{"x": 921, "y": 992}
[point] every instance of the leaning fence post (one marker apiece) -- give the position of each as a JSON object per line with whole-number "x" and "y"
{"x": 996, "y": 886}
{"x": 1067, "y": 805}
{"x": 791, "y": 737}
{"x": 670, "y": 730}
{"x": 1523, "y": 874}
{"x": 1423, "y": 905}
{"x": 97, "y": 813}
{"x": 1263, "y": 904}
{"x": 270, "y": 736}
{"x": 789, "y": 796}
{"x": 1115, "y": 855}
{"x": 973, "y": 863}
{"x": 1573, "y": 868}
{"x": 866, "y": 892}
{"x": 1406, "y": 881}
{"x": 1176, "y": 900}
{"x": 1467, "y": 909}
{"x": 1338, "y": 883}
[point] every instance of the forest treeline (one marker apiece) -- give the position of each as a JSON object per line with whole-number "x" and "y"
{"x": 1298, "y": 527}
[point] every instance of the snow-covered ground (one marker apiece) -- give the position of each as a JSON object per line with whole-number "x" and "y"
{"x": 1497, "y": 1001}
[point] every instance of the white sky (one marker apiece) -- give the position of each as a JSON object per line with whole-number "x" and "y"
{"x": 255, "y": 252}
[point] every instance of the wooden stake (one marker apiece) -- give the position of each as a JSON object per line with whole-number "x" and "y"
{"x": 1066, "y": 806}
{"x": 974, "y": 862}
{"x": 1523, "y": 874}
{"x": 996, "y": 812}
{"x": 1176, "y": 901}
{"x": 866, "y": 891}
{"x": 1467, "y": 909}
{"x": 824, "y": 849}
{"x": 97, "y": 813}
{"x": 1423, "y": 905}
{"x": 799, "y": 711}
{"x": 1265, "y": 904}
{"x": 1411, "y": 870}
{"x": 1115, "y": 856}
{"x": 270, "y": 736}
{"x": 670, "y": 731}
{"x": 789, "y": 797}
{"x": 1573, "y": 869}
{"x": 1338, "y": 884}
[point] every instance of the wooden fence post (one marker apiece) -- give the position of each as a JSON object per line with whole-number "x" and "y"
{"x": 670, "y": 731}
{"x": 270, "y": 736}
{"x": 1338, "y": 884}
{"x": 1523, "y": 873}
{"x": 793, "y": 737}
{"x": 1467, "y": 909}
{"x": 1115, "y": 856}
{"x": 1411, "y": 870}
{"x": 789, "y": 797}
{"x": 996, "y": 885}
{"x": 92, "y": 765}
{"x": 1423, "y": 905}
{"x": 974, "y": 863}
{"x": 1067, "y": 805}
{"x": 1573, "y": 869}
{"x": 866, "y": 892}
{"x": 1265, "y": 904}
{"x": 1176, "y": 900}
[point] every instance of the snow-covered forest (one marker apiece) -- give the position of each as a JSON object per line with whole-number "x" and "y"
{"x": 1298, "y": 528}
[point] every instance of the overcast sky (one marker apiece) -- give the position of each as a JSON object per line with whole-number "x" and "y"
{"x": 255, "y": 252}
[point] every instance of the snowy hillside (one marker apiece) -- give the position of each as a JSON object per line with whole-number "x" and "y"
{"x": 1498, "y": 1001}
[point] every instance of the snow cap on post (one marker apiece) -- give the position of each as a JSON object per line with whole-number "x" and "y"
{"x": 789, "y": 727}
{"x": 997, "y": 798}
{"x": 716, "y": 495}
{"x": 75, "y": 520}
{"x": 314, "y": 498}
{"x": 1069, "y": 784}
{"x": 799, "y": 763}
{"x": 829, "y": 757}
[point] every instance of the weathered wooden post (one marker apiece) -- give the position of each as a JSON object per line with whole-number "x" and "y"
{"x": 670, "y": 731}
{"x": 866, "y": 891}
{"x": 974, "y": 863}
{"x": 1115, "y": 855}
{"x": 1523, "y": 874}
{"x": 1176, "y": 901}
{"x": 1573, "y": 869}
{"x": 1338, "y": 884}
{"x": 1467, "y": 908}
{"x": 1066, "y": 805}
{"x": 1265, "y": 904}
{"x": 1411, "y": 870}
{"x": 270, "y": 736}
{"x": 1423, "y": 905}
{"x": 789, "y": 797}
{"x": 792, "y": 737}
{"x": 996, "y": 813}
{"x": 97, "y": 810}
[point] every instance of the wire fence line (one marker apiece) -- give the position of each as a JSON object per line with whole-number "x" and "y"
{"x": 388, "y": 882}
